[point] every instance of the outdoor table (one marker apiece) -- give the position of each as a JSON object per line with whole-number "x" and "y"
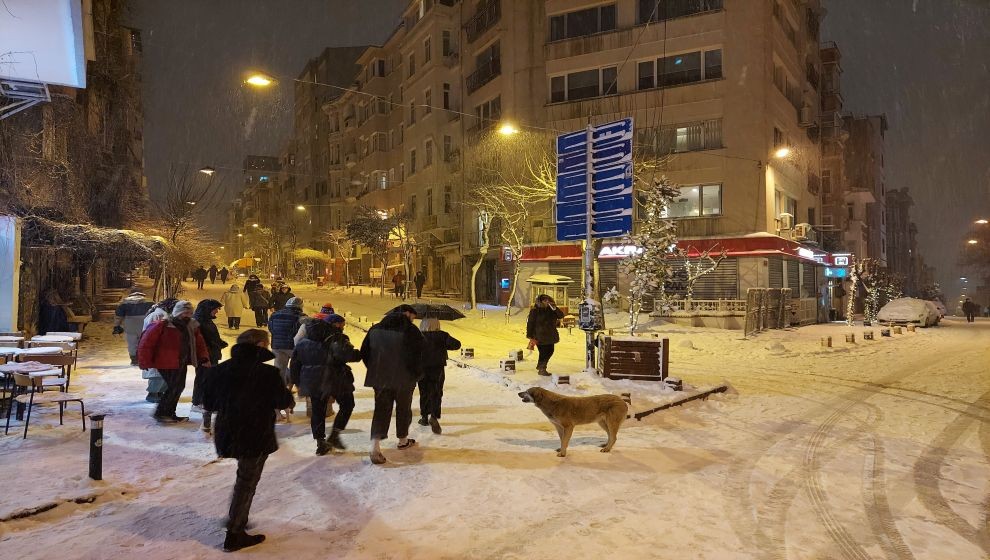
{"x": 11, "y": 339}
{"x": 40, "y": 350}
{"x": 73, "y": 335}
{"x": 51, "y": 338}
{"x": 34, "y": 370}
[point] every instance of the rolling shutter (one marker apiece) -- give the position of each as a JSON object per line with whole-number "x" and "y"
{"x": 573, "y": 270}
{"x": 775, "y": 269}
{"x": 808, "y": 287}
{"x": 793, "y": 268}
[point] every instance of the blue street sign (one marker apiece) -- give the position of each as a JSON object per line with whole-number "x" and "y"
{"x": 610, "y": 153}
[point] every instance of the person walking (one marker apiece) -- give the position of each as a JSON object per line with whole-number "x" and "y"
{"x": 391, "y": 351}
{"x": 420, "y": 281}
{"x": 234, "y": 303}
{"x": 399, "y": 283}
{"x": 170, "y": 346}
{"x": 279, "y": 299}
{"x": 212, "y": 273}
{"x": 438, "y": 342}
{"x": 325, "y": 311}
{"x": 156, "y": 385}
{"x": 319, "y": 368}
{"x": 244, "y": 392}
{"x": 541, "y": 330}
{"x": 128, "y": 320}
{"x": 258, "y": 299}
{"x": 205, "y": 313}
{"x": 199, "y": 275}
{"x": 970, "y": 309}
{"x": 284, "y": 325}
{"x": 224, "y": 273}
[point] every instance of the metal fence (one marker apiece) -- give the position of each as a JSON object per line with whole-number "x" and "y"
{"x": 767, "y": 308}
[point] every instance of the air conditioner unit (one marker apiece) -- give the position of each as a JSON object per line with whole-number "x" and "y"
{"x": 801, "y": 232}
{"x": 807, "y": 116}
{"x": 785, "y": 221}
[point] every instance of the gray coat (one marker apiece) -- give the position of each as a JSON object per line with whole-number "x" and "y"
{"x": 392, "y": 351}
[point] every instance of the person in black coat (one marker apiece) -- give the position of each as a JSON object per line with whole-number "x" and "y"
{"x": 438, "y": 342}
{"x": 258, "y": 299}
{"x": 392, "y": 353}
{"x": 319, "y": 368}
{"x": 420, "y": 281}
{"x": 224, "y": 273}
{"x": 245, "y": 392}
{"x": 279, "y": 298}
{"x": 199, "y": 275}
{"x": 212, "y": 272}
{"x": 541, "y": 330}
{"x": 205, "y": 313}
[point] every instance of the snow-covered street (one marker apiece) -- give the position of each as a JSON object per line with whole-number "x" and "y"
{"x": 878, "y": 449}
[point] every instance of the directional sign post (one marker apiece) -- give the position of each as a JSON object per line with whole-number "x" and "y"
{"x": 594, "y": 192}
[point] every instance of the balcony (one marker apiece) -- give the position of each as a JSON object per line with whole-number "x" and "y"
{"x": 487, "y": 16}
{"x": 451, "y": 60}
{"x": 485, "y": 73}
{"x": 350, "y": 159}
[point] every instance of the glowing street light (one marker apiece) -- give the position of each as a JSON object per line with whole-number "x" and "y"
{"x": 782, "y": 152}
{"x": 981, "y": 222}
{"x": 972, "y": 242}
{"x": 240, "y": 235}
{"x": 508, "y": 129}
{"x": 258, "y": 79}
{"x": 254, "y": 225}
{"x": 209, "y": 171}
{"x": 191, "y": 202}
{"x": 300, "y": 207}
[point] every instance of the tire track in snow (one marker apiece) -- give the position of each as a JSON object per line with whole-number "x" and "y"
{"x": 927, "y": 474}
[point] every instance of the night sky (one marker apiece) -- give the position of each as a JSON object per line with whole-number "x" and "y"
{"x": 922, "y": 62}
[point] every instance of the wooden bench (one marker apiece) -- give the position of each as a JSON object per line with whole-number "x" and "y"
{"x": 80, "y": 321}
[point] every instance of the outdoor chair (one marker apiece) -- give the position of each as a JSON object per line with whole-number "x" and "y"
{"x": 10, "y": 344}
{"x": 12, "y": 333}
{"x": 62, "y": 361}
{"x": 80, "y": 321}
{"x": 30, "y": 394}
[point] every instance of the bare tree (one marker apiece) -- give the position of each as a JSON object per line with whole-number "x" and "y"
{"x": 373, "y": 229}
{"x": 342, "y": 246}
{"x": 704, "y": 264}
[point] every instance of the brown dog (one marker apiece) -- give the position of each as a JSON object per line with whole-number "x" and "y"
{"x": 566, "y": 412}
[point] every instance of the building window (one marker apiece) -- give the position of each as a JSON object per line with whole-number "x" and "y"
{"x": 429, "y": 202}
{"x": 412, "y": 161}
{"x": 784, "y": 204}
{"x": 446, "y": 96}
{"x": 489, "y": 112}
{"x": 412, "y": 63}
{"x": 696, "y": 201}
{"x": 680, "y": 69}
{"x": 778, "y": 138}
{"x": 660, "y": 10}
{"x": 428, "y": 104}
{"x": 827, "y": 181}
{"x": 448, "y": 199}
{"x": 412, "y": 205}
{"x": 448, "y": 147}
{"x": 685, "y": 137}
{"x": 412, "y": 112}
{"x": 583, "y": 85}
{"x": 427, "y": 48}
{"x": 446, "y": 45}
{"x": 582, "y": 22}
{"x": 429, "y": 153}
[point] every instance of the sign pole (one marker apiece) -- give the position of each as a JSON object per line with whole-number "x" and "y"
{"x": 589, "y": 265}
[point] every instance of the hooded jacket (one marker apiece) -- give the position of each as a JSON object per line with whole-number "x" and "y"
{"x": 207, "y": 328}
{"x": 279, "y": 299}
{"x": 234, "y": 302}
{"x": 130, "y": 313}
{"x": 160, "y": 346}
{"x": 284, "y": 325}
{"x": 542, "y": 324}
{"x": 435, "y": 350}
{"x": 257, "y": 294}
{"x": 319, "y": 361}
{"x": 245, "y": 392}
{"x": 392, "y": 351}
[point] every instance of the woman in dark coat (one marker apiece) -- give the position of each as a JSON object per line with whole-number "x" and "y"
{"x": 319, "y": 368}
{"x": 279, "y": 299}
{"x": 259, "y": 299}
{"x": 541, "y": 330}
{"x": 438, "y": 342}
{"x": 245, "y": 392}
{"x": 205, "y": 313}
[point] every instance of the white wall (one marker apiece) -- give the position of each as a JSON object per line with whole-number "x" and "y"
{"x": 10, "y": 271}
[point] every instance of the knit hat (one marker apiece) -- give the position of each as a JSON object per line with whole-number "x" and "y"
{"x": 333, "y": 319}
{"x": 181, "y": 307}
{"x": 327, "y": 308}
{"x": 294, "y": 302}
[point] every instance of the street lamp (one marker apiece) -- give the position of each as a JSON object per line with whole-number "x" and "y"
{"x": 207, "y": 170}
{"x": 981, "y": 222}
{"x": 240, "y": 235}
{"x": 259, "y": 79}
{"x": 191, "y": 202}
{"x": 508, "y": 129}
{"x": 254, "y": 225}
{"x": 300, "y": 207}
{"x": 782, "y": 152}
{"x": 972, "y": 242}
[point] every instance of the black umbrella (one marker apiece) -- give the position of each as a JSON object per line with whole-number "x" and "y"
{"x": 439, "y": 311}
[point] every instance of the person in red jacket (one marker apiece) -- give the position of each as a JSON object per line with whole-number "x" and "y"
{"x": 170, "y": 346}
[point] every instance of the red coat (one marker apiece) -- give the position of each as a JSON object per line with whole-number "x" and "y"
{"x": 159, "y": 347}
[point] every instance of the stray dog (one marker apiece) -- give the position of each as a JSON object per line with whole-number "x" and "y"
{"x": 566, "y": 412}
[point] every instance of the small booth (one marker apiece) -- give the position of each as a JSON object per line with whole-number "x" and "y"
{"x": 553, "y": 285}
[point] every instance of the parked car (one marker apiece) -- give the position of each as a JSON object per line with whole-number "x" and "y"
{"x": 910, "y": 310}
{"x": 941, "y": 308}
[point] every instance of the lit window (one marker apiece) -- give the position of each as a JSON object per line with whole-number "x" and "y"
{"x": 696, "y": 201}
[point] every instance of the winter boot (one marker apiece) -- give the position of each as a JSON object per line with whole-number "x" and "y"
{"x": 237, "y": 541}
{"x": 134, "y": 361}
{"x": 322, "y": 447}
{"x": 541, "y": 369}
{"x": 423, "y": 421}
{"x": 435, "y": 424}
{"x": 335, "y": 440}
{"x": 207, "y": 422}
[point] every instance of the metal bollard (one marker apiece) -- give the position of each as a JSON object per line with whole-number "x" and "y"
{"x": 827, "y": 341}
{"x": 96, "y": 446}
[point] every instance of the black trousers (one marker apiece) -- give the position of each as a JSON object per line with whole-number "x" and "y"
{"x": 318, "y": 417}
{"x": 544, "y": 352}
{"x": 419, "y": 291}
{"x": 260, "y": 317}
{"x": 199, "y": 283}
{"x": 970, "y": 317}
{"x": 385, "y": 399}
{"x": 175, "y": 383}
{"x": 248, "y": 475}
{"x": 234, "y": 322}
{"x": 431, "y": 392}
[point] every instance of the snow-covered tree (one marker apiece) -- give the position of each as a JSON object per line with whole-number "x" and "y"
{"x": 696, "y": 268}
{"x": 649, "y": 266}
{"x": 342, "y": 246}
{"x": 373, "y": 229}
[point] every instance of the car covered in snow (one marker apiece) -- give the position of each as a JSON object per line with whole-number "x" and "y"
{"x": 941, "y": 308}
{"x": 910, "y": 310}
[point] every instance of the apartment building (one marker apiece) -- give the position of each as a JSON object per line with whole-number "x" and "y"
{"x": 865, "y": 234}
{"x": 726, "y": 97}
{"x": 252, "y": 211}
